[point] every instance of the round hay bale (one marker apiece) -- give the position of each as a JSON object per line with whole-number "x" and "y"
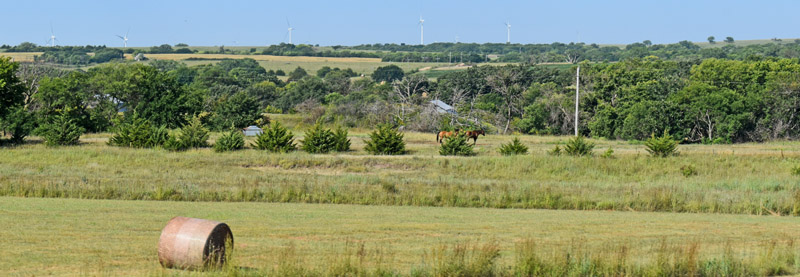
{"x": 193, "y": 243}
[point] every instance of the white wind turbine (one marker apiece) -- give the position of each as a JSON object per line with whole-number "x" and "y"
{"x": 290, "y": 30}
{"x": 125, "y": 38}
{"x": 52, "y": 40}
{"x": 421, "y": 30}
{"x": 508, "y": 29}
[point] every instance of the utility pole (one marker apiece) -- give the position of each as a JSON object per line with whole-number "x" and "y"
{"x": 577, "y": 96}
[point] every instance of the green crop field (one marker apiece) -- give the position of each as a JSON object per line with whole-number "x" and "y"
{"x": 102, "y": 237}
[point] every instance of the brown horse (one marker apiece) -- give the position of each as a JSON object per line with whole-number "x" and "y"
{"x": 444, "y": 134}
{"x": 474, "y": 135}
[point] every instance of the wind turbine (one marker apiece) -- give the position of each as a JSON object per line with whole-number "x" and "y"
{"x": 421, "y": 30}
{"x": 290, "y": 30}
{"x": 508, "y": 29}
{"x": 125, "y": 38}
{"x": 52, "y": 40}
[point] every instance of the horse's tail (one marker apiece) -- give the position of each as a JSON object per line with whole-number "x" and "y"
{"x": 437, "y": 136}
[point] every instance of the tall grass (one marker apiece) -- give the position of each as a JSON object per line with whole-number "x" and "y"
{"x": 721, "y": 184}
{"x": 481, "y": 259}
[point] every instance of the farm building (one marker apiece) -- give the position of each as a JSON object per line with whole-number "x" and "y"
{"x": 252, "y": 130}
{"x": 442, "y": 107}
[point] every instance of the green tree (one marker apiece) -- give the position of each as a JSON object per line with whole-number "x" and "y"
{"x": 319, "y": 140}
{"x": 152, "y": 94}
{"x": 10, "y": 87}
{"x": 388, "y": 73}
{"x": 297, "y": 74}
{"x": 711, "y": 39}
{"x": 323, "y": 71}
{"x": 238, "y": 111}
{"x": 385, "y": 140}
{"x": 19, "y": 123}
{"x": 729, "y": 39}
{"x": 194, "y": 134}
{"x": 60, "y": 129}
{"x": 456, "y": 146}
{"x": 276, "y": 138}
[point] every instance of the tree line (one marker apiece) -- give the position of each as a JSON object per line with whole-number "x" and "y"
{"x": 470, "y": 52}
{"x": 709, "y": 101}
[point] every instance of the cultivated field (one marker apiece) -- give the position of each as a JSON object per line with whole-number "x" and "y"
{"x": 286, "y": 63}
{"x": 102, "y": 237}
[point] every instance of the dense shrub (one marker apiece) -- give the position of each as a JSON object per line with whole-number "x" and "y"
{"x": 194, "y": 134}
{"x": 276, "y": 138}
{"x": 319, "y": 140}
{"x": 515, "y": 147}
{"x": 386, "y": 140}
{"x": 18, "y": 123}
{"x": 230, "y": 141}
{"x": 137, "y": 132}
{"x": 456, "y": 146}
{"x": 173, "y": 144}
{"x": 342, "y": 142}
{"x": 61, "y": 130}
{"x": 663, "y": 146}
{"x": 578, "y": 146}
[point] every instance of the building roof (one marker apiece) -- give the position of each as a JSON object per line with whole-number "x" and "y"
{"x": 439, "y": 104}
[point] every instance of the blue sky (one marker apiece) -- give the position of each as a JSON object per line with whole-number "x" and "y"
{"x": 347, "y": 22}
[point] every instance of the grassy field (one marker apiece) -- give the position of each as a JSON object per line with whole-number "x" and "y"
{"x": 738, "y": 179}
{"x": 112, "y": 237}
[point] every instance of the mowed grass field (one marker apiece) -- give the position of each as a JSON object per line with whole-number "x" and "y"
{"x": 114, "y": 237}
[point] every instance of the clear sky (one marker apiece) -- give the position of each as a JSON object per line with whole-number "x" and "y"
{"x": 347, "y": 22}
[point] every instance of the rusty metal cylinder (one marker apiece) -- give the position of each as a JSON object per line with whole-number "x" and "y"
{"x": 193, "y": 243}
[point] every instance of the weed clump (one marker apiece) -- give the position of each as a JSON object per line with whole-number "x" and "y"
{"x": 608, "y": 154}
{"x": 556, "y": 151}
{"x": 456, "y": 146}
{"x": 230, "y": 141}
{"x": 385, "y": 140}
{"x": 515, "y": 147}
{"x": 578, "y": 146}
{"x": 276, "y": 138}
{"x": 688, "y": 170}
{"x": 663, "y": 146}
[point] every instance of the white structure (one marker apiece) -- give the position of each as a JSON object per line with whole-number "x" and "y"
{"x": 252, "y": 130}
{"x": 421, "y": 31}
{"x": 52, "y": 40}
{"x": 508, "y": 28}
{"x": 125, "y": 39}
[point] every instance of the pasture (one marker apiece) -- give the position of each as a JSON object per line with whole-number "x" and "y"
{"x": 736, "y": 179}
{"x": 114, "y": 237}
